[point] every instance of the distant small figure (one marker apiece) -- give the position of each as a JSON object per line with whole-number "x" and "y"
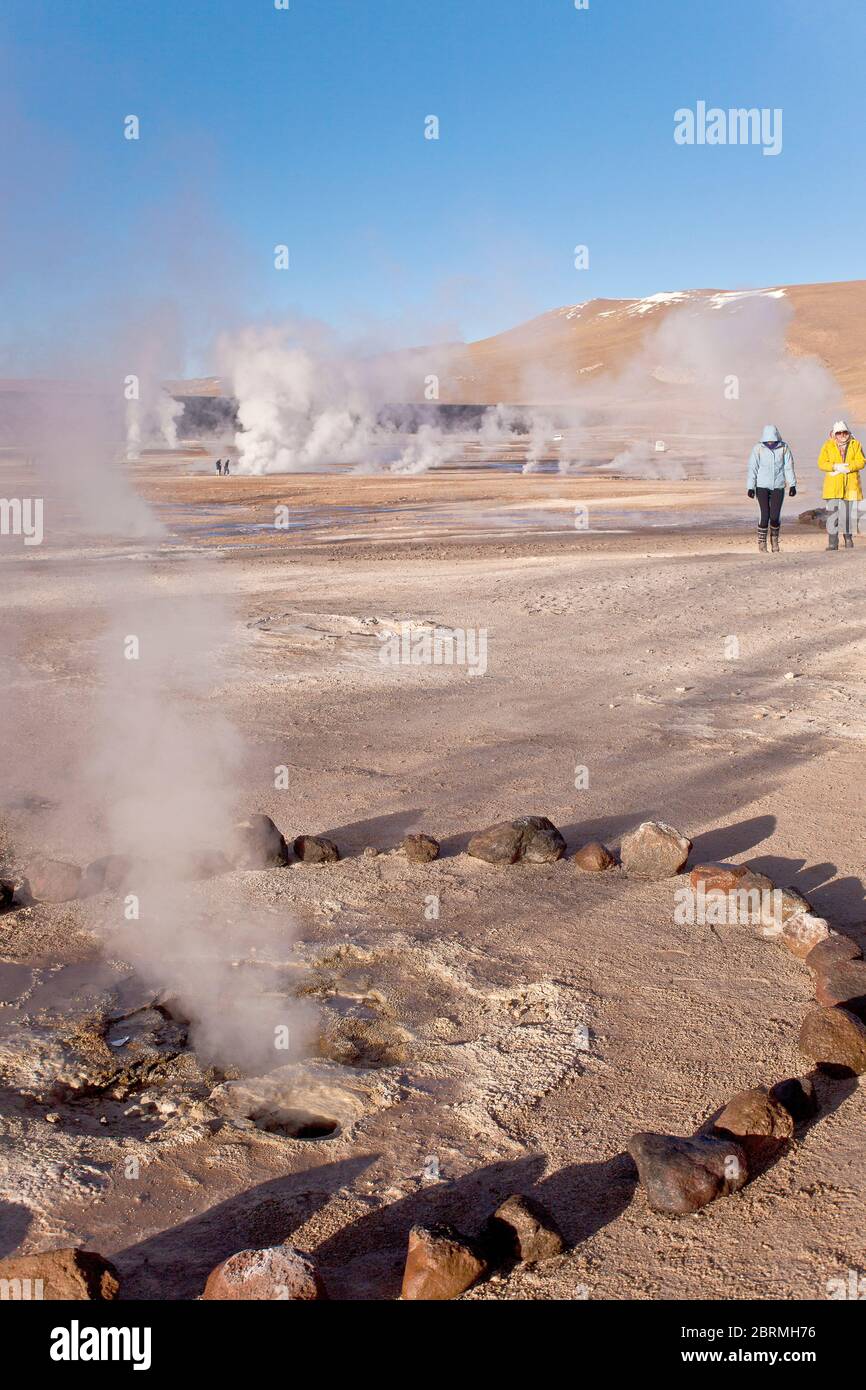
{"x": 226, "y": 468}
{"x": 219, "y": 466}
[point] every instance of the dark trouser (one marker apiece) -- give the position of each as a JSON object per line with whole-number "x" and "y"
{"x": 770, "y": 501}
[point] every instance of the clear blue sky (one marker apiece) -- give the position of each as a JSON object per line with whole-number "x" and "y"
{"x": 305, "y": 126}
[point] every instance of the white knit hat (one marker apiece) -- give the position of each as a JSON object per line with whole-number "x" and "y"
{"x": 841, "y": 426}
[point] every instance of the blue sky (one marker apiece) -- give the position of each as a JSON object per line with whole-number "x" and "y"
{"x": 306, "y": 127}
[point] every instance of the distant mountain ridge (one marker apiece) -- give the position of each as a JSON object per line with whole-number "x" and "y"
{"x": 598, "y": 337}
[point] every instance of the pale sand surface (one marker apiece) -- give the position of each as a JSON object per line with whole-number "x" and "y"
{"x": 589, "y": 636}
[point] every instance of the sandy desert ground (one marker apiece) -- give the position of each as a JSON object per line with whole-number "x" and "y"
{"x": 453, "y": 1044}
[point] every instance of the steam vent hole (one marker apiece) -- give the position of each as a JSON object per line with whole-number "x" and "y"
{"x": 295, "y": 1124}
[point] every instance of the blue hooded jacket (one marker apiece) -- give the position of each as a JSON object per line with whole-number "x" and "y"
{"x": 771, "y": 467}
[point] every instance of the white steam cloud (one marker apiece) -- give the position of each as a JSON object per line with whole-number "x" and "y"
{"x": 128, "y": 736}
{"x": 704, "y": 381}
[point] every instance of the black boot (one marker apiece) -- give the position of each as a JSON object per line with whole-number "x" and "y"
{"x": 849, "y": 542}
{"x": 832, "y": 540}
{"x": 762, "y": 538}
{"x": 774, "y": 539}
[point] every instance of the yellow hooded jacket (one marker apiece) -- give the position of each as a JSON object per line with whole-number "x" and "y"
{"x": 844, "y": 486}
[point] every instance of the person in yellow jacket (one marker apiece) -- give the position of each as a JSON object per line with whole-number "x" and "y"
{"x": 841, "y": 458}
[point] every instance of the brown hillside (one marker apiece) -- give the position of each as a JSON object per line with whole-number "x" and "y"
{"x": 547, "y": 357}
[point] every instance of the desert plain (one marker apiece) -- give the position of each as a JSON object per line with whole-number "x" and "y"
{"x": 468, "y": 1030}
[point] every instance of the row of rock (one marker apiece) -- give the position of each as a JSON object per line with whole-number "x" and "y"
{"x": 441, "y": 1264}
{"x": 652, "y": 851}
{"x": 257, "y": 844}
{"x": 680, "y": 1175}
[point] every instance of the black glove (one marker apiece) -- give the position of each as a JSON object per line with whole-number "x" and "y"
{"x": 751, "y": 492}
{"x": 792, "y": 492}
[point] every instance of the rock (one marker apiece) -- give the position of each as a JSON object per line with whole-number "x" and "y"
{"x": 729, "y": 878}
{"x": 792, "y": 902}
{"x": 833, "y": 949}
{"x": 107, "y": 875}
{"x": 370, "y": 852}
{"x": 718, "y": 878}
{"x": 814, "y": 516}
{"x": 533, "y": 838}
{"x": 278, "y": 1272}
{"x": 682, "y": 1175}
{"x": 760, "y": 1124}
{"x": 53, "y": 880}
{"x": 440, "y": 1264}
{"x": 499, "y": 844}
{"x": 835, "y": 1039}
{"x": 654, "y": 850}
{"x": 420, "y": 848}
{"x": 736, "y": 896}
{"x": 593, "y": 858}
{"x": 258, "y": 844}
{"x": 315, "y": 849}
{"x": 7, "y": 894}
{"x": 797, "y": 1094}
{"x": 800, "y": 934}
{"x": 73, "y": 1274}
{"x": 843, "y": 982}
{"x": 521, "y": 1229}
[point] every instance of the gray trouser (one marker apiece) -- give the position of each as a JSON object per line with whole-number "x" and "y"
{"x": 843, "y": 517}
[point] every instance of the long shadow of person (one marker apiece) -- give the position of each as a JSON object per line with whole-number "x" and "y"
{"x": 175, "y": 1263}
{"x": 729, "y": 840}
{"x": 831, "y": 897}
{"x": 366, "y": 1260}
{"x": 15, "y": 1221}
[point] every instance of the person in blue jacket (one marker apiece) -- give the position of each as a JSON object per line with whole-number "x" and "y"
{"x": 771, "y": 468}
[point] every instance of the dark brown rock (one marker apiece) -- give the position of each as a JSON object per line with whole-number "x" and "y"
{"x": 522, "y": 1229}
{"x": 276, "y": 1273}
{"x": 836, "y": 1040}
{"x": 654, "y": 851}
{"x": 258, "y": 844}
{"x": 440, "y": 1264}
{"x": 593, "y": 858}
{"x": 843, "y": 982}
{"x": 7, "y": 893}
{"x": 499, "y": 844}
{"x": 53, "y": 880}
{"x": 420, "y": 848}
{"x": 682, "y": 1175}
{"x": 797, "y": 1094}
{"x": 531, "y": 838}
{"x": 59, "y": 1275}
{"x": 832, "y": 950}
{"x": 315, "y": 849}
{"x": 760, "y": 1124}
